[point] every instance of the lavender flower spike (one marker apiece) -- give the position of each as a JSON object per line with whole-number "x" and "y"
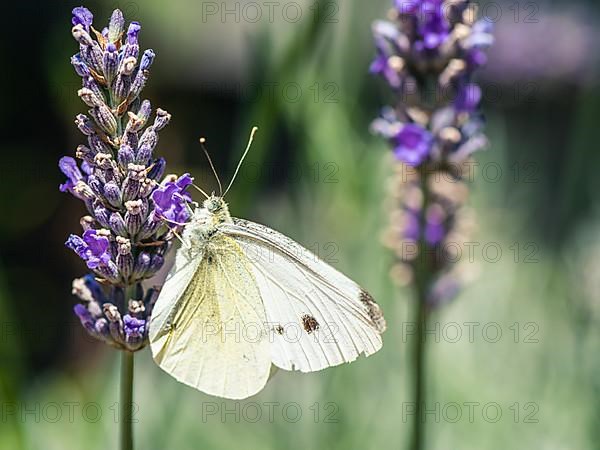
{"x": 132, "y": 214}
{"x": 430, "y": 45}
{"x": 428, "y": 53}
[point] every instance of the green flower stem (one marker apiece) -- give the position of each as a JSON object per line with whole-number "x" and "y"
{"x": 422, "y": 284}
{"x": 126, "y": 403}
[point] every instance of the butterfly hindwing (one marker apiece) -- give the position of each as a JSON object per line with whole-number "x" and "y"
{"x": 211, "y": 336}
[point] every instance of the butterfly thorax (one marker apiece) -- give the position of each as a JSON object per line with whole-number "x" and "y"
{"x": 206, "y": 221}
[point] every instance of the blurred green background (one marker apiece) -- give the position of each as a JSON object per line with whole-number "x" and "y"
{"x": 316, "y": 174}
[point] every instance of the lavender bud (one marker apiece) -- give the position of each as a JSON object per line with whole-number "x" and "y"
{"x": 110, "y": 62}
{"x": 102, "y": 327}
{"x": 131, "y": 185}
{"x": 138, "y": 84}
{"x": 151, "y": 226}
{"x": 130, "y": 139}
{"x": 97, "y": 145}
{"x": 111, "y": 312}
{"x": 83, "y": 191}
{"x": 102, "y": 216}
{"x": 149, "y": 139}
{"x": 146, "y": 187}
{"x": 96, "y": 185}
{"x": 115, "y": 322}
{"x": 109, "y": 271}
{"x": 128, "y": 66}
{"x": 89, "y": 97}
{"x": 125, "y": 156}
{"x": 91, "y": 84}
{"x": 82, "y": 16}
{"x": 157, "y": 169}
{"x": 92, "y": 55}
{"x": 142, "y": 265}
{"x": 155, "y": 265}
{"x": 147, "y": 60}
{"x": 135, "y": 331}
{"x": 131, "y": 51}
{"x": 105, "y": 119}
{"x": 80, "y": 67}
{"x": 117, "y": 224}
{"x": 121, "y": 87}
{"x": 134, "y": 124}
{"x": 161, "y": 120}
{"x": 136, "y": 307}
{"x": 144, "y": 155}
{"x": 84, "y": 124}
{"x": 144, "y": 111}
{"x": 104, "y": 161}
{"x": 133, "y": 33}
{"x": 116, "y": 26}
{"x": 133, "y": 216}
{"x": 138, "y": 121}
{"x": 85, "y": 317}
{"x": 112, "y": 193}
{"x": 81, "y": 35}
{"x": 124, "y": 257}
{"x": 86, "y": 222}
{"x": 85, "y": 153}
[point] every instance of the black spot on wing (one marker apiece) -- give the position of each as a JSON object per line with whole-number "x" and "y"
{"x": 373, "y": 310}
{"x": 309, "y": 323}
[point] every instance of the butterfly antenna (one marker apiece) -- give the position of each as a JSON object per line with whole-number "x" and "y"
{"x": 198, "y": 188}
{"x": 202, "y": 142}
{"x": 237, "y": 170}
{"x": 180, "y": 238}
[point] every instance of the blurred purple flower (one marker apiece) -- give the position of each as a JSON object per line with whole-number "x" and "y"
{"x": 571, "y": 58}
{"x": 430, "y": 43}
{"x": 412, "y": 144}
{"x": 134, "y": 328}
{"x": 381, "y": 66}
{"x": 434, "y": 27}
{"x": 468, "y": 98}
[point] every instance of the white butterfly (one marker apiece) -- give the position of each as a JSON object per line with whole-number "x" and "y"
{"x": 242, "y": 297}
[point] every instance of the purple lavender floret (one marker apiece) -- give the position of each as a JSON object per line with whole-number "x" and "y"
{"x": 69, "y": 167}
{"x": 171, "y": 200}
{"x": 381, "y": 66}
{"x": 93, "y": 248}
{"x": 85, "y": 317}
{"x": 82, "y": 16}
{"x": 412, "y": 144}
{"x": 133, "y": 215}
{"x": 434, "y": 28}
{"x": 468, "y": 98}
{"x": 133, "y": 327}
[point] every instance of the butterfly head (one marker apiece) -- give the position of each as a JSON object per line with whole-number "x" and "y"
{"x": 215, "y": 211}
{"x": 214, "y": 204}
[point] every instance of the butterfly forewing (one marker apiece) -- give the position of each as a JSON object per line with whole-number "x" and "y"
{"x": 317, "y": 317}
